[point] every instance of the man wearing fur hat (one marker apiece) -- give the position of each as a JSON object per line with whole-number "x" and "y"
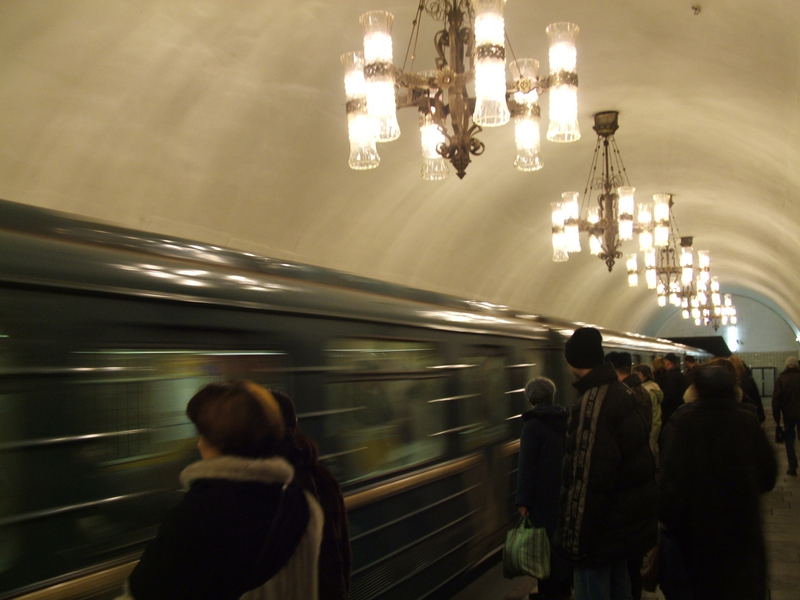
{"x": 609, "y": 494}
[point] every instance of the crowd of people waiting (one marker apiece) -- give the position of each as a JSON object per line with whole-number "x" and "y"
{"x": 652, "y": 471}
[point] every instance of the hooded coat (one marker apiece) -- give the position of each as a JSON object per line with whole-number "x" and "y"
{"x": 716, "y": 462}
{"x": 609, "y": 494}
{"x": 223, "y": 541}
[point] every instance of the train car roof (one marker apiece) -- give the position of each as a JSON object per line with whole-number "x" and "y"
{"x": 48, "y": 248}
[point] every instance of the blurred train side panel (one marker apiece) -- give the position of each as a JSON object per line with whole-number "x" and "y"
{"x": 105, "y": 333}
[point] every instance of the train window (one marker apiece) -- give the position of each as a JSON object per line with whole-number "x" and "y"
{"x": 484, "y": 410}
{"x": 94, "y": 448}
{"x": 382, "y": 411}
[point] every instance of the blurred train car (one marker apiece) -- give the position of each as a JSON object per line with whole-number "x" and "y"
{"x": 105, "y": 333}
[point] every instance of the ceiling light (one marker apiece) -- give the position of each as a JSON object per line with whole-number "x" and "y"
{"x": 471, "y": 52}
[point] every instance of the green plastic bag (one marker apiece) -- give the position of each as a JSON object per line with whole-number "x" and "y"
{"x": 526, "y": 551}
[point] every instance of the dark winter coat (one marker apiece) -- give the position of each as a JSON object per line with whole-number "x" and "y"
{"x": 716, "y": 462}
{"x": 786, "y": 396}
{"x": 673, "y": 383}
{"x": 334, "y": 555}
{"x": 751, "y": 394}
{"x": 644, "y": 401}
{"x": 223, "y": 540}
{"x": 541, "y": 453}
{"x": 609, "y": 494}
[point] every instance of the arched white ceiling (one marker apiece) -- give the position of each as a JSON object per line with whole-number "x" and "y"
{"x": 224, "y": 121}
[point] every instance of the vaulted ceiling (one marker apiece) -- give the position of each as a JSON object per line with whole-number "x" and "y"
{"x": 224, "y": 122}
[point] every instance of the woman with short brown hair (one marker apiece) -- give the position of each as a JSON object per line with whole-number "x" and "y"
{"x": 242, "y": 530}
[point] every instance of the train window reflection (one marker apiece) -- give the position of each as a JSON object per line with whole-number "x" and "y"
{"x": 91, "y": 445}
{"x": 486, "y": 410}
{"x": 379, "y": 415}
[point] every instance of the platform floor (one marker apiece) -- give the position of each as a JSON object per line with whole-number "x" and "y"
{"x": 781, "y": 510}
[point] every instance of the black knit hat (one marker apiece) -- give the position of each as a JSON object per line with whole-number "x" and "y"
{"x": 584, "y": 350}
{"x": 620, "y": 360}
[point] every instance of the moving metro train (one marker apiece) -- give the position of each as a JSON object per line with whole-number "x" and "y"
{"x": 105, "y": 333}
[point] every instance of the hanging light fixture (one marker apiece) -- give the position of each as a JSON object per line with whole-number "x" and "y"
{"x": 612, "y": 221}
{"x": 471, "y": 49}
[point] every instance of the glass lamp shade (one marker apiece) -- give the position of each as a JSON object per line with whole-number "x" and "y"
{"x": 571, "y": 210}
{"x": 595, "y": 245}
{"x": 527, "y": 137}
{"x": 361, "y": 128}
{"x": 363, "y": 153}
{"x": 662, "y": 301}
{"x": 703, "y": 259}
{"x": 563, "y": 126}
{"x": 632, "y": 266}
{"x": 685, "y": 314}
{"x": 645, "y": 219}
{"x": 572, "y": 236}
{"x": 661, "y": 219}
{"x": 559, "y": 254}
{"x": 434, "y": 166}
{"x": 645, "y": 240}
{"x": 661, "y": 236}
{"x": 559, "y": 237}
{"x": 557, "y": 216}
{"x": 650, "y": 278}
{"x": 698, "y": 322}
{"x": 570, "y": 205}
{"x": 650, "y": 259}
{"x": 734, "y": 319}
{"x": 593, "y": 215}
{"x": 527, "y": 134}
{"x": 728, "y": 300}
{"x": 491, "y": 109}
{"x": 378, "y": 72}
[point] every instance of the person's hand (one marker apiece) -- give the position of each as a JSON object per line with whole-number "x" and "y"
{"x": 523, "y": 511}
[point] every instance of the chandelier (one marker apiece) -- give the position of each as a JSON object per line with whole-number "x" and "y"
{"x": 471, "y": 51}
{"x": 611, "y": 221}
{"x": 679, "y": 279}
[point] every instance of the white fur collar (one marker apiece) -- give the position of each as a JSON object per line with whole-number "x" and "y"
{"x": 236, "y": 468}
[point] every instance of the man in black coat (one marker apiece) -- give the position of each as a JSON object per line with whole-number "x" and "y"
{"x": 716, "y": 463}
{"x": 786, "y": 402}
{"x": 673, "y": 383}
{"x": 623, "y": 365}
{"x": 609, "y": 494}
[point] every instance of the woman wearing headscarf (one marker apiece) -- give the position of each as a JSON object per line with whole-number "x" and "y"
{"x": 539, "y": 476}
{"x": 716, "y": 463}
{"x": 242, "y": 530}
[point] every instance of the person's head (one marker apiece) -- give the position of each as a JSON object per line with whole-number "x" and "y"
{"x": 658, "y": 366}
{"x": 644, "y": 372}
{"x": 791, "y": 363}
{"x": 715, "y": 381}
{"x": 540, "y": 390}
{"x": 584, "y": 350}
{"x": 288, "y": 412}
{"x": 671, "y": 361}
{"x": 300, "y": 450}
{"x": 728, "y": 365}
{"x": 739, "y": 365}
{"x": 237, "y": 417}
{"x": 622, "y": 363}
{"x": 691, "y": 361}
